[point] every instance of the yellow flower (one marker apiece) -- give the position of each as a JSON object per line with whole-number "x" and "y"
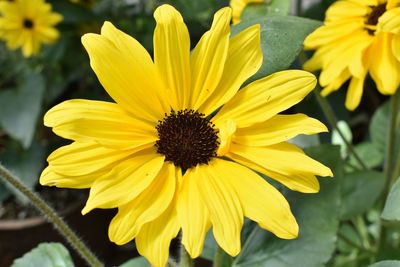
{"x": 28, "y": 24}
{"x": 161, "y": 156}
{"x": 357, "y": 38}
{"x": 238, "y": 7}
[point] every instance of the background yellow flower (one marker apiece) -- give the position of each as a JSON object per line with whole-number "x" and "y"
{"x": 238, "y": 7}
{"x": 358, "y": 37}
{"x": 27, "y": 24}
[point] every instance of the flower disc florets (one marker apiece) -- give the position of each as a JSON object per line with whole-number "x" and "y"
{"x": 373, "y": 17}
{"x": 186, "y": 138}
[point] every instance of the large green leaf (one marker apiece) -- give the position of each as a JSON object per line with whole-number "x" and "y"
{"x": 281, "y": 40}
{"x": 271, "y": 8}
{"x": 136, "y": 262}
{"x": 317, "y": 215}
{"x": 369, "y": 154}
{"x": 20, "y": 108}
{"x": 359, "y": 191}
{"x": 45, "y": 255}
{"x": 391, "y": 210}
{"x": 386, "y": 264}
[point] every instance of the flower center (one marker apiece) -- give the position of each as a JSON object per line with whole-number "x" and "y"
{"x": 28, "y": 23}
{"x": 186, "y": 138}
{"x": 373, "y": 17}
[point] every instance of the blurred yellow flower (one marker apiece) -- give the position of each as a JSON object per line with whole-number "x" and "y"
{"x": 27, "y": 24}
{"x": 161, "y": 156}
{"x": 238, "y": 7}
{"x": 357, "y": 38}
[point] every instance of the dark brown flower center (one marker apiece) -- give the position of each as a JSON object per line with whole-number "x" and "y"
{"x": 28, "y": 23}
{"x": 186, "y": 138}
{"x": 373, "y": 17}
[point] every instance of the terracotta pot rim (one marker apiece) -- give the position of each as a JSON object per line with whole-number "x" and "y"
{"x": 17, "y": 224}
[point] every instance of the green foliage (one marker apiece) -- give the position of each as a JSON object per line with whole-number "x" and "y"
{"x": 281, "y": 40}
{"x": 46, "y": 255}
{"x": 386, "y": 264}
{"x": 392, "y": 207}
{"x": 272, "y": 8}
{"x": 136, "y": 262}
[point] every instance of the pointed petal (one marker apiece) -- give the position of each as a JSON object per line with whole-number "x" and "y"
{"x": 278, "y": 129}
{"x": 146, "y": 207}
{"x": 261, "y": 202}
{"x": 225, "y": 210}
{"x": 396, "y": 46}
{"x": 172, "y": 54}
{"x": 354, "y": 93}
{"x": 337, "y": 83}
{"x": 208, "y": 58}
{"x": 127, "y": 72}
{"x": 384, "y": 68}
{"x": 51, "y": 178}
{"x": 244, "y": 59}
{"x": 193, "y": 215}
{"x": 154, "y": 238}
{"x": 99, "y": 121}
{"x": 266, "y": 97}
{"x": 84, "y": 158}
{"x": 124, "y": 183}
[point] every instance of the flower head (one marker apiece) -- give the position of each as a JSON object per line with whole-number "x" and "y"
{"x": 28, "y": 24}
{"x": 357, "y": 38}
{"x": 180, "y": 147}
{"x": 238, "y": 7}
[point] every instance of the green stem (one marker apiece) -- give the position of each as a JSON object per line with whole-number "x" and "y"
{"x": 389, "y": 168}
{"x": 52, "y": 217}
{"x": 186, "y": 260}
{"x": 218, "y": 257}
{"x": 330, "y": 116}
{"x": 299, "y": 7}
{"x": 353, "y": 244}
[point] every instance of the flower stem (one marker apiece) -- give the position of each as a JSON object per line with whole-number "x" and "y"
{"x": 299, "y": 7}
{"x": 52, "y": 217}
{"x": 186, "y": 260}
{"x": 330, "y": 116}
{"x": 218, "y": 257}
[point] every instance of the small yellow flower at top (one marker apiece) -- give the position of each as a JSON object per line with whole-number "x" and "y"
{"x": 238, "y": 7}
{"x": 27, "y": 24}
{"x": 358, "y": 37}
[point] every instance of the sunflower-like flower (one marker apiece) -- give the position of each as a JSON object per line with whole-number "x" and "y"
{"x": 357, "y": 38}
{"x": 181, "y": 146}
{"x": 28, "y": 24}
{"x": 238, "y": 7}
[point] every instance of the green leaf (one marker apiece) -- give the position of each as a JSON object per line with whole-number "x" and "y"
{"x": 73, "y": 13}
{"x": 379, "y": 128}
{"x": 20, "y": 108}
{"x": 317, "y": 216}
{"x": 281, "y": 40}
{"x": 369, "y": 154}
{"x": 359, "y": 191}
{"x": 386, "y": 264}
{"x": 338, "y": 140}
{"x": 45, "y": 255}
{"x": 273, "y": 8}
{"x": 391, "y": 211}
{"x": 136, "y": 262}
{"x": 25, "y": 164}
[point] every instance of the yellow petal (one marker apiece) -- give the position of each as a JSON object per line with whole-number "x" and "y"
{"x": 208, "y": 58}
{"x": 337, "y": 83}
{"x": 154, "y": 238}
{"x": 390, "y": 21}
{"x": 126, "y": 71}
{"x": 396, "y": 46}
{"x": 172, "y": 54}
{"x": 51, "y": 178}
{"x": 125, "y": 182}
{"x": 347, "y": 10}
{"x": 193, "y": 215}
{"x": 384, "y": 68}
{"x": 392, "y": 4}
{"x": 266, "y": 97}
{"x": 84, "y": 158}
{"x": 278, "y": 129}
{"x": 261, "y": 202}
{"x": 283, "y": 162}
{"x": 244, "y": 59}
{"x": 331, "y": 32}
{"x": 226, "y": 132}
{"x": 238, "y": 6}
{"x": 99, "y": 121}
{"x": 223, "y": 204}
{"x": 354, "y": 93}
{"x": 146, "y": 207}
